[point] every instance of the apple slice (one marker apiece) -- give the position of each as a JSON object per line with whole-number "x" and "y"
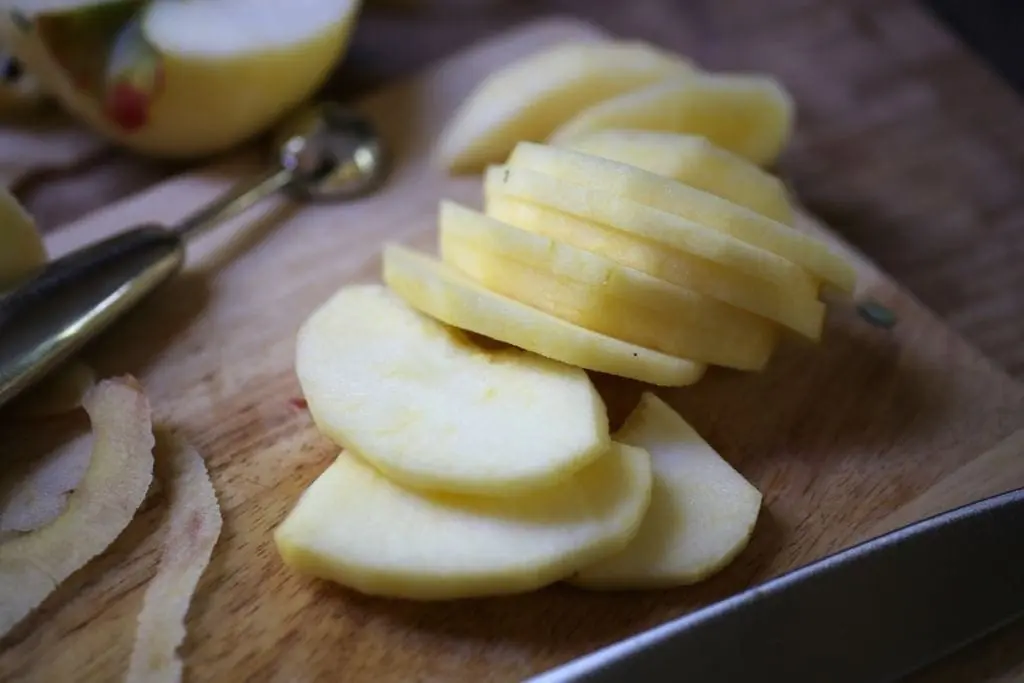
{"x": 702, "y": 511}
{"x": 665, "y": 194}
{"x": 355, "y": 527}
{"x": 661, "y": 227}
{"x": 21, "y": 247}
{"x": 749, "y": 114}
{"x": 804, "y": 315}
{"x": 446, "y": 294}
{"x": 695, "y": 161}
{"x": 596, "y": 293}
{"x": 530, "y": 98}
{"x": 432, "y": 410}
{"x": 179, "y": 79}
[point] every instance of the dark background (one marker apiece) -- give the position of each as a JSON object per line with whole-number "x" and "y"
{"x": 992, "y": 28}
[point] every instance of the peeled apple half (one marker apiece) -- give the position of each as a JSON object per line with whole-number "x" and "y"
{"x": 599, "y": 294}
{"x": 694, "y": 161}
{"x": 179, "y": 79}
{"x": 433, "y": 410}
{"x": 665, "y": 194}
{"x": 358, "y": 528}
{"x": 702, "y": 511}
{"x": 532, "y": 97}
{"x": 749, "y": 114}
{"x": 803, "y": 314}
{"x": 446, "y": 294}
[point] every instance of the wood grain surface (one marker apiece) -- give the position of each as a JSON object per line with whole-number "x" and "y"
{"x": 840, "y": 438}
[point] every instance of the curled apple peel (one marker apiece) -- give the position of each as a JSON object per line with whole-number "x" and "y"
{"x": 114, "y": 485}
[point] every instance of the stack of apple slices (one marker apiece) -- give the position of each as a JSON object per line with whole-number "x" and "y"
{"x": 469, "y": 470}
{"x": 628, "y": 229}
{"x": 610, "y": 267}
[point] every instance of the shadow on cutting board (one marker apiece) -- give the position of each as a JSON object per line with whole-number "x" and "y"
{"x": 136, "y": 341}
{"x": 560, "y": 617}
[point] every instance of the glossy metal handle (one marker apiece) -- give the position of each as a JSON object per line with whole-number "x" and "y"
{"x": 47, "y": 318}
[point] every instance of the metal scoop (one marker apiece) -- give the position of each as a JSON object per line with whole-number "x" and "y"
{"x": 325, "y": 152}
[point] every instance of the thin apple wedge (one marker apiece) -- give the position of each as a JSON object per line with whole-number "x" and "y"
{"x": 446, "y": 294}
{"x": 804, "y": 315}
{"x": 657, "y": 226}
{"x": 357, "y": 528}
{"x": 702, "y": 511}
{"x": 433, "y": 410}
{"x": 749, "y": 114}
{"x": 690, "y": 203}
{"x": 599, "y": 294}
{"x": 21, "y": 247}
{"x": 696, "y": 161}
{"x": 531, "y": 97}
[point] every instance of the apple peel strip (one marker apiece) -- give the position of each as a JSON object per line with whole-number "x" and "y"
{"x": 194, "y": 525}
{"x": 114, "y": 486}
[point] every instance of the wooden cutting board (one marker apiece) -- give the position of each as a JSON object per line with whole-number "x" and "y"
{"x": 868, "y": 430}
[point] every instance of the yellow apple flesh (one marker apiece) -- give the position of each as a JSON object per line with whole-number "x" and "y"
{"x": 446, "y": 294}
{"x": 749, "y": 114}
{"x": 21, "y": 247}
{"x": 695, "y": 161}
{"x": 531, "y": 97}
{"x": 661, "y": 227}
{"x": 803, "y": 314}
{"x": 596, "y": 293}
{"x": 702, "y": 511}
{"x": 357, "y": 528}
{"x": 433, "y": 410}
{"x": 690, "y": 203}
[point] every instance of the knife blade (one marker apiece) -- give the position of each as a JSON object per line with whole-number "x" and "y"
{"x": 872, "y": 613}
